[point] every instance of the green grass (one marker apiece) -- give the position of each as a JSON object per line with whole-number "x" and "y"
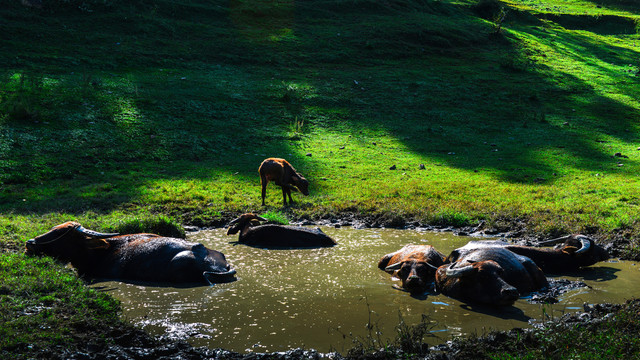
{"x": 141, "y": 116}
{"x": 615, "y": 338}
{"x": 173, "y": 115}
{"x": 44, "y": 305}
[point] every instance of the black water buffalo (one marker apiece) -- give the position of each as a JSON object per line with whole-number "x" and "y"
{"x": 576, "y": 251}
{"x": 272, "y": 236}
{"x": 136, "y": 257}
{"x": 414, "y": 265}
{"x": 490, "y": 276}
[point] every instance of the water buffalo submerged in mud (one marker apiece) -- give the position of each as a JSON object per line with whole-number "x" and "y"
{"x": 490, "y": 276}
{"x": 576, "y": 251}
{"x": 137, "y": 257}
{"x": 276, "y": 236}
{"x": 284, "y": 175}
{"x": 414, "y": 265}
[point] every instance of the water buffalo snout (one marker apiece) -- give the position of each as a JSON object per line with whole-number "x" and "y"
{"x": 30, "y": 246}
{"x": 509, "y": 295}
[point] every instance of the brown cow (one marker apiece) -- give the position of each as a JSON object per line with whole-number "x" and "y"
{"x": 137, "y": 257}
{"x": 284, "y": 175}
{"x": 414, "y": 265}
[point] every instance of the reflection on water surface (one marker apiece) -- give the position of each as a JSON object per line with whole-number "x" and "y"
{"x": 312, "y": 298}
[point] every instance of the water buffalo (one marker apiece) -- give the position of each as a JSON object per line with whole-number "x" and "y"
{"x": 490, "y": 276}
{"x": 271, "y": 236}
{"x": 414, "y": 265}
{"x": 136, "y": 257}
{"x": 284, "y": 175}
{"x": 576, "y": 251}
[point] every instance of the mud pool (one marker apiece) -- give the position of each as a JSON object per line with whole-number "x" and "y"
{"x": 323, "y": 298}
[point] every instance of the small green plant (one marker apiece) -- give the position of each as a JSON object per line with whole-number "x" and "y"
{"x": 20, "y": 97}
{"x": 296, "y": 128}
{"x": 410, "y": 338}
{"x": 498, "y": 19}
{"x": 407, "y": 343}
{"x": 276, "y": 217}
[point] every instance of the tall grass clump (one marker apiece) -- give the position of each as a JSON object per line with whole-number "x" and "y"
{"x": 156, "y": 224}
{"x": 276, "y": 217}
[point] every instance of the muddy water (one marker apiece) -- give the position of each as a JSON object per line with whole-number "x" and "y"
{"x": 323, "y": 298}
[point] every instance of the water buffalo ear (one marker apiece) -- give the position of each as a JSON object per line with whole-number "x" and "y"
{"x": 453, "y": 257}
{"x": 96, "y": 244}
{"x": 232, "y": 230}
{"x": 569, "y": 250}
{"x": 255, "y": 222}
{"x": 461, "y": 271}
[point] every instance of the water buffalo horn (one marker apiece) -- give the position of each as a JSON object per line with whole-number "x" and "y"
{"x": 229, "y": 272}
{"x": 393, "y": 267}
{"x": 460, "y": 272}
{"x": 95, "y": 234}
{"x": 235, "y": 221}
{"x": 586, "y": 245}
{"x": 433, "y": 267}
{"x": 555, "y": 241}
{"x": 261, "y": 218}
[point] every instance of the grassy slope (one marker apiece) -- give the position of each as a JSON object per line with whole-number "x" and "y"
{"x": 114, "y": 113}
{"x": 170, "y": 108}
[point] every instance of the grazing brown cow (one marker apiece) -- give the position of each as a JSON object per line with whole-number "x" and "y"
{"x": 576, "y": 251}
{"x": 271, "y": 236}
{"x": 284, "y": 175}
{"x": 137, "y": 257}
{"x": 490, "y": 275}
{"x": 415, "y": 265}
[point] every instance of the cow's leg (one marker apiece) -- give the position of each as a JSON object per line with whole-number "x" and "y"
{"x": 284, "y": 194}
{"x": 264, "y": 181}
{"x": 289, "y": 193}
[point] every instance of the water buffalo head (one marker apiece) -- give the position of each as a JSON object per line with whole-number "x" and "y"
{"x": 480, "y": 281}
{"x": 416, "y": 275}
{"x": 243, "y": 222}
{"x": 66, "y": 241}
{"x": 583, "y": 249}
